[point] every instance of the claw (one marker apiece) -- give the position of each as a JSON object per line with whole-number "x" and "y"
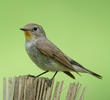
{"x": 31, "y": 76}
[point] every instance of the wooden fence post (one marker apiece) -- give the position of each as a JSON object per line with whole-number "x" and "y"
{"x": 30, "y": 88}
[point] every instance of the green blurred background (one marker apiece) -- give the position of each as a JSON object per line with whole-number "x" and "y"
{"x": 81, "y": 28}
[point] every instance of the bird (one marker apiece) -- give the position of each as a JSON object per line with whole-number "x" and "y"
{"x": 47, "y": 56}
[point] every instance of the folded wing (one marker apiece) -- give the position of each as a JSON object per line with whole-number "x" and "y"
{"x": 49, "y": 49}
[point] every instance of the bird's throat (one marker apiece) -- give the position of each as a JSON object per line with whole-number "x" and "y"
{"x": 29, "y": 36}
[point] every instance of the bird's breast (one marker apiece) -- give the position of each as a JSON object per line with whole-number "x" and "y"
{"x": 31, "y": 48}
{"x": 34, "y": 53}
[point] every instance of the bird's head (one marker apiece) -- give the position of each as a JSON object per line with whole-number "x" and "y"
{"x": 33, "y": 31}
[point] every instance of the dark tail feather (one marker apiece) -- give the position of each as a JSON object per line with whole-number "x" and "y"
{"x": 84, "y": 69}
{"x": 69, "y": 74}
{"x": 94, "y": 74}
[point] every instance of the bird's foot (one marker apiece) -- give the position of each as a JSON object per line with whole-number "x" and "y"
{"x": 31, "y": 76}
{"x": 50, "y": 82}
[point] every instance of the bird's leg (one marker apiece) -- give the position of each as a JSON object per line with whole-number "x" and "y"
{"x": 54, "y": 75}
{"x": 50, "y": 81}
{"x": 37, "y": 75}
{"x": 42, "y": 73}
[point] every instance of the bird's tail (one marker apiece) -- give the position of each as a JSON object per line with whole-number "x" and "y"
{"x": 84, "y": 70}
{"x": 94, "y": 74}
{"x": 80, "y": 68}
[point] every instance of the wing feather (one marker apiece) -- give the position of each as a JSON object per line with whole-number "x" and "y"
{"x": 49, "y": 49}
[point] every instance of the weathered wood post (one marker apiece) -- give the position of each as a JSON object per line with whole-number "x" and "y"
{"x": 30, "y": 88}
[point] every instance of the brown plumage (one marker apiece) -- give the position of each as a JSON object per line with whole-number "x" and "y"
{"x": 49, "y": 49}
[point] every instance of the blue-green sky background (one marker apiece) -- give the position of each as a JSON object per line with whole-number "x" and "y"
{"x": 80, "y": 28}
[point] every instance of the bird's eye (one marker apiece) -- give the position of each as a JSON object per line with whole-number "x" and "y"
{"x": 35, "y": 29}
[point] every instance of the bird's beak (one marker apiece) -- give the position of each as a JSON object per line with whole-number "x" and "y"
{"x": 24, "y": 29}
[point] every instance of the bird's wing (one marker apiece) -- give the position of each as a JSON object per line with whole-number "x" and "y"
{"x": 73, "y": 62}
{"x": 69, "y": 74}
{"x": 49, "y": 49}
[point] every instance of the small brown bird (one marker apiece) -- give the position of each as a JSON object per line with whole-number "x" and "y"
{"x": 47, "y": 56}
